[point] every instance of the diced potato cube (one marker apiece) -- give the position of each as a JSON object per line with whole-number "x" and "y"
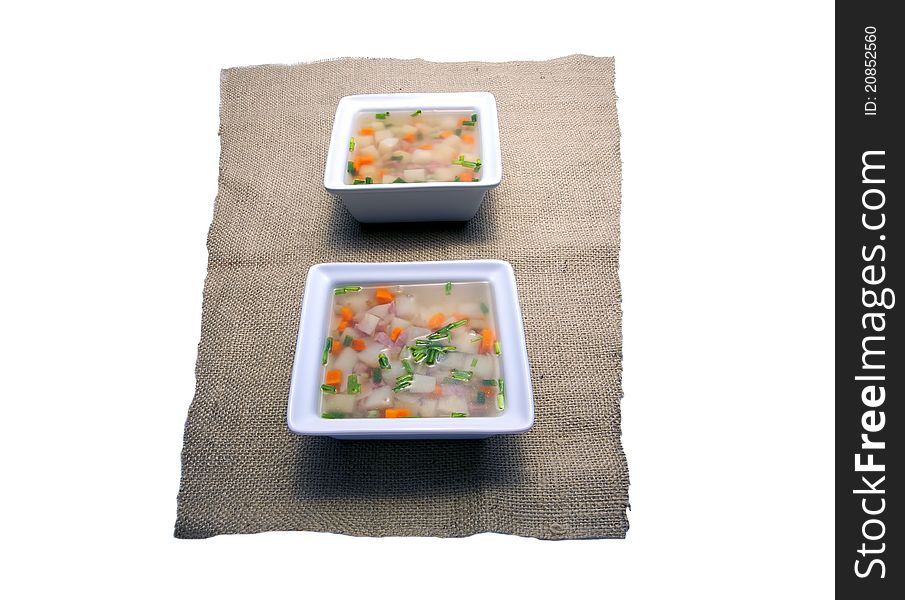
{"x": 405, "y": 306}
{"x": 368, "y": 171}
{"x": 364, "y": 141}
{"x": 409, "y": 129}
{"x": 382, "y": 134}
{"x": 343, "y": 403}
{"x": 369, "y": 151}
{"x": 387, "y": 145}
{"x": 485, "y": 367}
{"x": 381, "y": 397}
{"x": 414, "y": 175}
{"x": 445, "y": 154}
{"x": 453, "y": 141}
{"x": 428, "y": 407}
{"x": 451, "y": 404}
{"x": 346, "y": 360}
{"x": 369, "y": 355}
{"x": 388, "y": 179}
{"x": 443, "y": 174}
{"x": 422, "y": 157}
{"x": 369, "y": 323}
{"x": 422, "y": 384}
{"x": 462, "y": 340}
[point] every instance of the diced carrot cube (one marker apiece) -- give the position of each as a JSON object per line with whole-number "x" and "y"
{"x": 466, "y": 176}
{"x": 342, "y": 325}
{"x": 384, "y": 296}
{"x": 395, "y": 333}
{"x": 438, "y": 391}
{"x": 365, "y": 159}
{"x": 468, "y": 138}
{"x": 358, "y": 345}
{"x": 333, "y": 377}
{"x": 367, "y": 131}
{"x": 445, "y": 134}
{"x": 393, "y": 413}
{"x": 436, "y": 320}
{"x": 487, "y": 340}
{"x": 337, "y": 346}
{"x": 346, "y": 313}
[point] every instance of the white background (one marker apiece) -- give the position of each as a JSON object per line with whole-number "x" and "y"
{"x": 109, "y": 169}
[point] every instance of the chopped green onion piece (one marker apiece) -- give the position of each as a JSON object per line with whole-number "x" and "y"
{"x": 407, "y": 366}
{"x": 351, "y": 144}
{"x": 350, "y": 168}
{"x": 448, "y": 288}
{"x": 432, "y": 356}
{"x": 416, "y": 113}
{"x": 327, "y": 347}
{"x": 482, "y": 398}
{"x": 346, "y": 289}
{"x": 496, "y": 348}
{"x": 330, "y": 389}
{"x": 399, "y": 180}
{"x": 461, "y": 375}
{"x": 333, "y": 415}
{"x": 352, "y": 385}
{"x": 405, "y": 378}
{"x": 358, "y": 182}
{"x": 373, "y": 414}
{"x": 489, "y": 382}
{"x": 382, "y": 115}
{"x": 368, "y": 180}
{"x": 383, "y": 361}
{"x": 459, "y": 131}
{"x": 396, "y": 157}
{"x": 376, "y": 376}
{"x": 402, "y": 386}
{"x": 502, "y": 386}
{"x": 457, "y": 414}
{"x": 484, "y": 308}
{"x": 500, "y": 402}
{"x": 477, "y": 338}
{"x": 474, "y": 117}
{"x": 347, "y": 341}
{"x": 474, "y": 363}
{"x": 456, "y": 178}
{"x": 467, "y": 123}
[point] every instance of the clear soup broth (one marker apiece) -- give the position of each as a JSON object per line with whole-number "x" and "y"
{"x": 414, "y": 147}
{"x": 425, "y": 350}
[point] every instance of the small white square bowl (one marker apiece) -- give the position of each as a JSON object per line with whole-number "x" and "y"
{"x": 429, "y": 201}
{"x": 303, "y": 413}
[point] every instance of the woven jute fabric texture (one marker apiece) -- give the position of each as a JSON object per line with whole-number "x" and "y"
{"x": 555, "y": 217}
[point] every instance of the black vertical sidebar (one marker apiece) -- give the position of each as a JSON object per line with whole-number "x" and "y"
{"x": 870, "y": 367}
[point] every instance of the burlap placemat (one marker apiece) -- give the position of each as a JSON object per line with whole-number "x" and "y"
{"x": 555, "y": 218}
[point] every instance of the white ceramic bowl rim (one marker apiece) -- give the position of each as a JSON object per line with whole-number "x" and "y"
{"x": 303, "y": 412}
{"x": 483, "y": 103}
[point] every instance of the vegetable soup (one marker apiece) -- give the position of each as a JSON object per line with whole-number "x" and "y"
{"x": 421, "y": 350}
{"x": 414, "y": 147}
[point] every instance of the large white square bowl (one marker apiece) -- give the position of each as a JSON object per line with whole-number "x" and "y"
{"x": 304, "y": 416}
{"x": 429, "y": 201}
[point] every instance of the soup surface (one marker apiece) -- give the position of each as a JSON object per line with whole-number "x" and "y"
{"x": 425, "y": 350}
{"x": 414, "y": 147}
